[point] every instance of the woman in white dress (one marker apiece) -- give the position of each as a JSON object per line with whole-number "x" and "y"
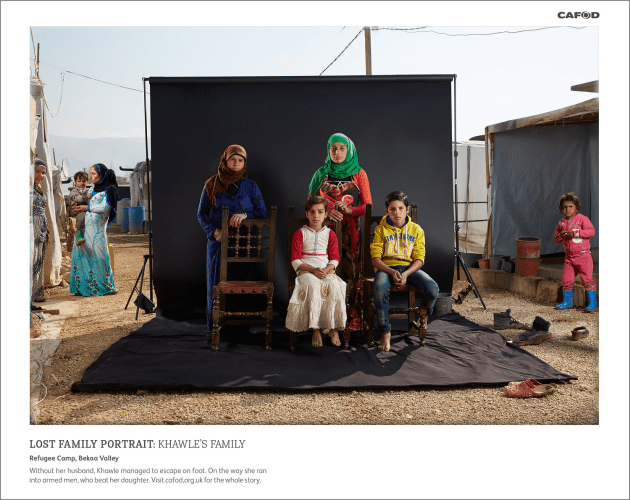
{"x": 318, "y": 300}
{"x": 91, "y": 271}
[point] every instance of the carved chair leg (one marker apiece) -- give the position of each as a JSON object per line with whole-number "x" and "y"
{"x": 422, "y": 324}
{"x": 346, "y": 338}
{"x": 216, "y": 329}
{"x": 371, "y": 313}
{"x": 269, "y": 334}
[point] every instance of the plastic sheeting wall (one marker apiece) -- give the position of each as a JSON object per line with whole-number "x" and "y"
{"x": 533, "y": 168}
{"x": 401, "y": 127}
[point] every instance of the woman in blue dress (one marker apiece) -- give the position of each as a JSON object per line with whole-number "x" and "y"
{"x": 91, "y": 271}
{"x": 229, "y": 188}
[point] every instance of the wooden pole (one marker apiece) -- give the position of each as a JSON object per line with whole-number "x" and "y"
{"x": 368, "y": 50}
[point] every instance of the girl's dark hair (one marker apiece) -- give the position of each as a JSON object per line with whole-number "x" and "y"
{"x": 314, "y": 200}
{"x": 82, "y": 175}
{"x": 569, "y": 197}
{"x": 396, "y": 196}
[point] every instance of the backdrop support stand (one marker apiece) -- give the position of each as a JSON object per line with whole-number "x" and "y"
{"x": 458, "y": 254}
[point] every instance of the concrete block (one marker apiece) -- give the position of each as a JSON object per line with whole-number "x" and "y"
{"x": 481, "y": 277}
{"x": 579, "y": 296}
{"x": 527, "y": 285}
{"x": 505, "y": 281}
{"x": 549, "y": 291}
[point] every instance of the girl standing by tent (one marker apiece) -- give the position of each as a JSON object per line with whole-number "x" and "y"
{"x": 40, "y": 233}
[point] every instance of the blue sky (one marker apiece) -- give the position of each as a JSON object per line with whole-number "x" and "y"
{"x": 499, "y": 77}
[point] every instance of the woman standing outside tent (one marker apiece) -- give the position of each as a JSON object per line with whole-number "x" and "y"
{"x": 344, "y": 184}
{"x": 40, "y": 233}
{"x": 231, "y": 188}
{"x": 91, "y": 271}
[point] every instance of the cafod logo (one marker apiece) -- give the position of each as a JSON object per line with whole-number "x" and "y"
{"x": 575, "y": 15}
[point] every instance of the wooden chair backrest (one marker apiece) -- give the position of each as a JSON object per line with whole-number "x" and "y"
{"x": 368, "y": 235}
{"x": 247, "y": 242}
{"x": 293, "y": 225}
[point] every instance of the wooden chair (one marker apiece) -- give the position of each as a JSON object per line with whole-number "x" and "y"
{"x": 369, "y": 310}
{"x": 293, "y": 225}
{"x": 241, "y": 245}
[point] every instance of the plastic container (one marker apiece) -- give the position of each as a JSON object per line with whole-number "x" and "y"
{"x": 124, "y": 223}
{"x": 508, "y": 266}
{"x": 496, "y": 261}
{"x": 528, "y": 267}
{"x": 119, "y": 210}
{"x": 443, "y": 304}
{"x": 528, "y": 247}
{"x": 484, "y": 263}
{"x": 136, "y": 216}
{"x": 470, "y": 259}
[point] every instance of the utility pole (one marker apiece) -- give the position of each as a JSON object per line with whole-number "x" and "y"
{"x": 368, "y": 50}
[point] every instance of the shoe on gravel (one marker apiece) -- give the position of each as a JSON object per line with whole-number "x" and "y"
{"x": 503, "y": 321}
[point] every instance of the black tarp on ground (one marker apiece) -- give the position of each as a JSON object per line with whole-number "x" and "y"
{"x": 167, "y": 354}
{"x": 401, "y": 126}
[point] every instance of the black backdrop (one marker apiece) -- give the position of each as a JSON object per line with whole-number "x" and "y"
{"x": 400, "y": 125}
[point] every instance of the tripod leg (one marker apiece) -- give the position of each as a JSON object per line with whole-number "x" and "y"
{"x": 135, "y": 286}
{"x": 470, "y": 280}
{"x": 140, "y": 292}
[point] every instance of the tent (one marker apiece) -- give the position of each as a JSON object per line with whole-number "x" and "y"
{"x": 473, "y": 195}
{"x": 40, "y": 149}
{"x": 530, "y": 163}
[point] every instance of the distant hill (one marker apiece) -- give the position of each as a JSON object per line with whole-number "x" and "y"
{"x": 82, "y": 153}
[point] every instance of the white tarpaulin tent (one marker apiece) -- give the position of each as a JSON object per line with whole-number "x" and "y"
{"x": 40, "y": 149}
{"x": 473, "y": 196}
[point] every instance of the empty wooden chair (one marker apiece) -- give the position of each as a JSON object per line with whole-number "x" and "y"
{"x": 293, "y": 225}
{"x": 369, "y": 311}
{"x": 238, "y": 246}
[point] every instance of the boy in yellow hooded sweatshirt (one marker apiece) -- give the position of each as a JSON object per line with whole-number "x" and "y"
{"x": 397, "y": 255}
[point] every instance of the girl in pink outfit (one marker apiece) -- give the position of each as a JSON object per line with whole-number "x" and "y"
{"x": 574, "y": 232}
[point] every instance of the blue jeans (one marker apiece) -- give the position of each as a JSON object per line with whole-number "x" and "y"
{"x": 383, "y": 283}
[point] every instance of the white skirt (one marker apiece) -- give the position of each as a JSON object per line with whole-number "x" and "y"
{"x": 317, "y": 304}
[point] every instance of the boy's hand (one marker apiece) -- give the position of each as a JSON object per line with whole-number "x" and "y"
{"x": 89, "y": 196}
{"x": 397, "y": 277}
{"x": 403, "y": 278}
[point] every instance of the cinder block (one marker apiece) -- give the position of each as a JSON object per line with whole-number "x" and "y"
{"x": 481, "y": 277}
{"x": 527, "y": 285}
{"x": 549, "y": 291}
{"x": 504, "y": 280}
{"x": 579, "y": 296}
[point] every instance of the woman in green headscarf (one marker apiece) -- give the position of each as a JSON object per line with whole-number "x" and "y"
{"x": 345, "y": 186}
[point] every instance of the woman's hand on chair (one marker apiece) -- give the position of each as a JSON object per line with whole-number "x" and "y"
{"x": 335, "y": 215}
{"x": 236, "y": 219}
{"x": 343, "y": 208}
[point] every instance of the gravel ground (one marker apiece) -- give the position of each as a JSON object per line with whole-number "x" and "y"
{"x": 85, "y": 337}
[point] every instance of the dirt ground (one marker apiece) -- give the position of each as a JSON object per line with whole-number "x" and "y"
{"x": 85, "y": 337}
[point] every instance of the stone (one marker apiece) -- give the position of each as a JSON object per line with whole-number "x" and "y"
{"x": 549, "y": 291}
{"x": 527, "y": 285}
{"x": 579, "y": 296}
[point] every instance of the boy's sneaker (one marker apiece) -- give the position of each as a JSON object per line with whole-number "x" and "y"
{"x": 503, "y": 321}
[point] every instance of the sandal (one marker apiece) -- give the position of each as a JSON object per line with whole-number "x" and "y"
{"x": 579, "y": 333}
{"x": 527, "y": 389}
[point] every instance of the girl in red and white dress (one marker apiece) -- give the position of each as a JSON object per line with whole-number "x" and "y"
{"x": 318, "y": 300}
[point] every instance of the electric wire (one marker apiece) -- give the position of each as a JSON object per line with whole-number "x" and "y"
{"x": 63, "y": 77}
{"x": 361, "y": 31}
{"x": 90, "y": 78}
{"x": 418, "y": 30}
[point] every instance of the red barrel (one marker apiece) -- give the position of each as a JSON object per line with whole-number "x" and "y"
{"x": 528, "y": 247}
{"x": 528, "y": 267}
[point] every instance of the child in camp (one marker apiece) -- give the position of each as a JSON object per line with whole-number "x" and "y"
{"x": 397, "y": 255}
{"x": 318, "y": 300}
{"x": 574, "y": 232}
{"x": 78, "y": 195}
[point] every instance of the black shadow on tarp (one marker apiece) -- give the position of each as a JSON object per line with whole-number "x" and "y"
{"x": 166, "y": 354}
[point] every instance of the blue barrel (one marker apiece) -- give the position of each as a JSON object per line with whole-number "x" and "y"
{"x": 136, "y": 216}
{"x": 124, "y": 223}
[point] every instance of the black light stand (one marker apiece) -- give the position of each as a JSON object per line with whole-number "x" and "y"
{"x": 142, "y": 301}
{"x": 458, "y": 254}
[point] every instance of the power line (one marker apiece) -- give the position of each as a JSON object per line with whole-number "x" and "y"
{"x": 89, "y": 77}
{"x": 63, "y": 78}
{"x": 360, "y": 31}
{"x": 418, "y": 30}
